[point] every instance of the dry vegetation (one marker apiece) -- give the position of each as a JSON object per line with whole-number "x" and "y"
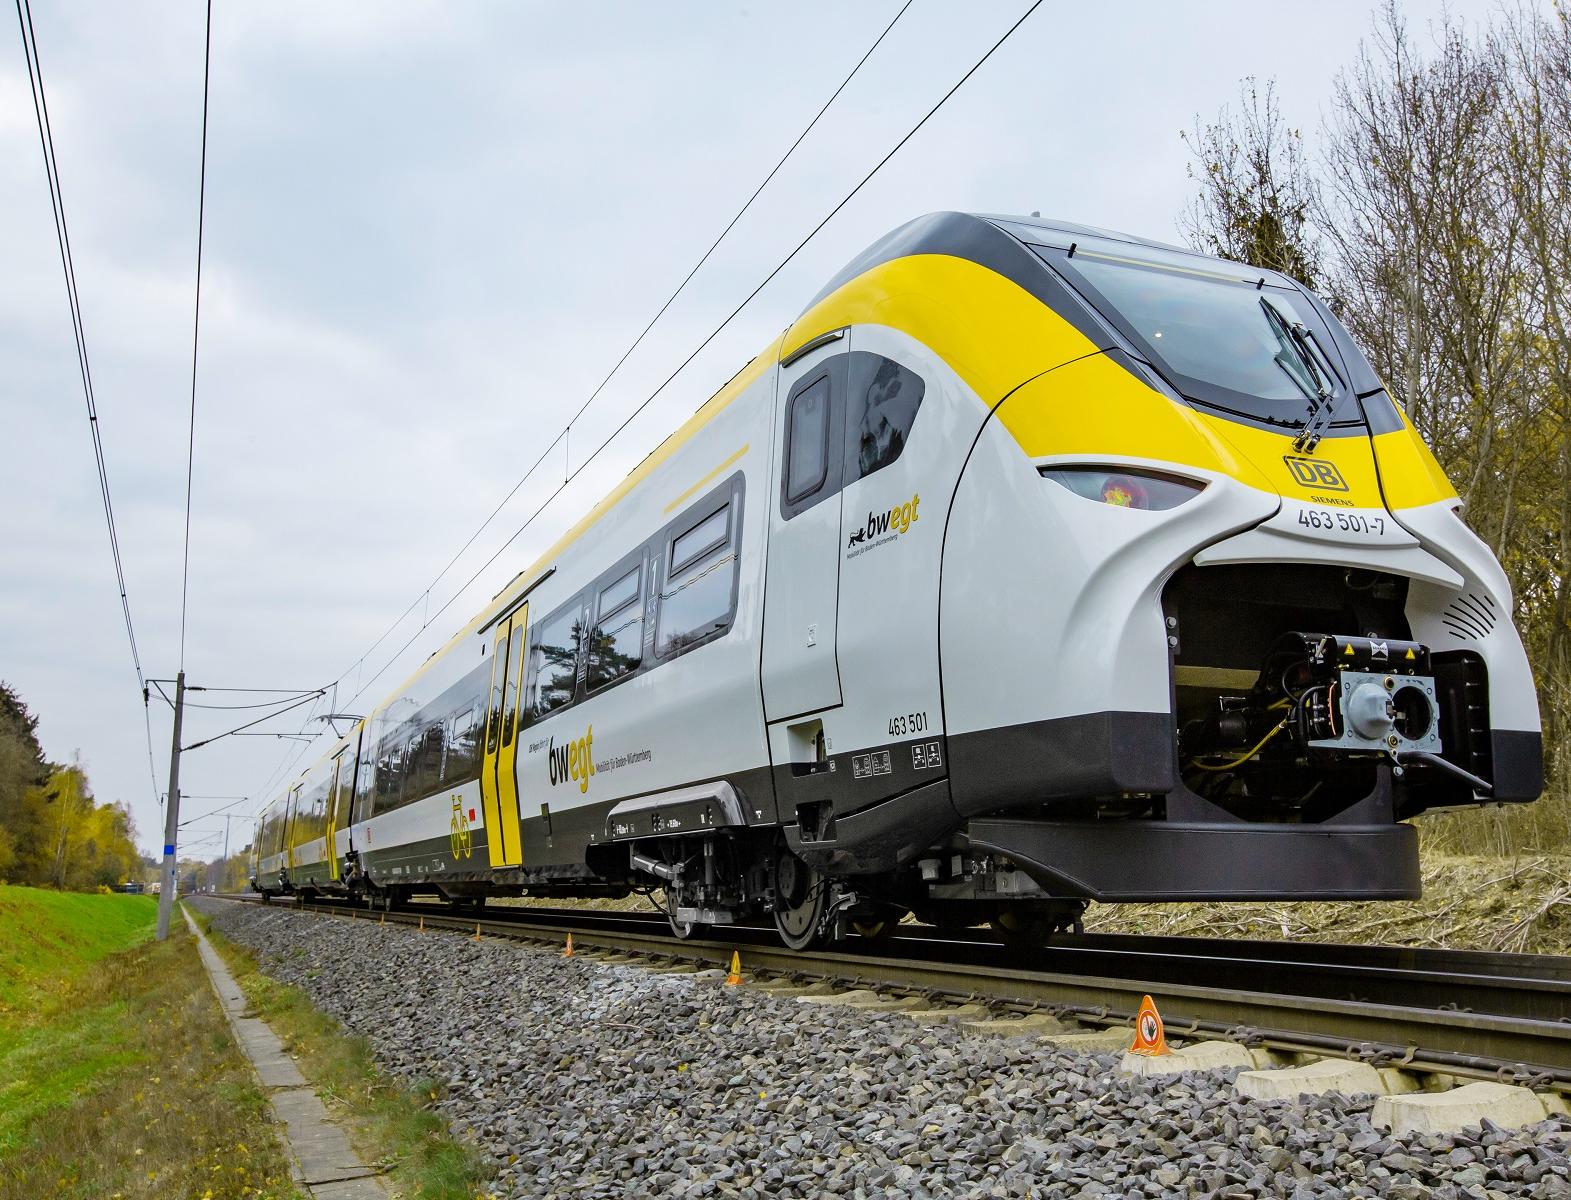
{"x": 1486, "y": 903}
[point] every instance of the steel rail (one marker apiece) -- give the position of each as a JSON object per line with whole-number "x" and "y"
{"x": 1418, "y": 1036}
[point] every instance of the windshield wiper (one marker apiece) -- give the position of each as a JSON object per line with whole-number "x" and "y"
{"x": 1300, "y": 341}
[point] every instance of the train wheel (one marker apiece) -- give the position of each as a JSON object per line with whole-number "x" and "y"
{"x": 873, "y": 929}
{"x": 803, "y": 897}
{"x": 684, "y": 929}
{"x": 1023, "y": 930}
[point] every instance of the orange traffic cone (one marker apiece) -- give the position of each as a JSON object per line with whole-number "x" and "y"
{"x": 477, "y": 931}
{"x": 422, "y": 924}
{"x": 1148, "y": 1031}
{"x": 734, "y": 977}
{"x": 567, "y": 951}
{"x": 383, "y": 921}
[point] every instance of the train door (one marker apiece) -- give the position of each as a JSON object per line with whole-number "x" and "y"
{"x": 499, "y": 766}
{"x": 340, "y": 780}
{"x": 900, "y": 464}
{"x": 291, "y": 826}
{"x": 801, "y": 586}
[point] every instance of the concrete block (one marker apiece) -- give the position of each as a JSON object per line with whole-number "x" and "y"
{"x": 1445, "y": 1112}
{"x": 1398, "y": 1082}
{"x": 1313, "y": 1079}
{"x": 1197, "y": 1056}
{"x": 786, "y": 987}
{"x": 937, "y": 1016}
{"x": 1555, "y": 1104}
{"x": 870, "y": 1001}
{"x": 1090, "y": 1041}
{"x": 1267, "y": 1059}
{"x": 1028, "y": 1025}
{"x": 367, "y": 1187}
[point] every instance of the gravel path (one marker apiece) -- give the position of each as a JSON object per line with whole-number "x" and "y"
{"x": 588, "y": 1080}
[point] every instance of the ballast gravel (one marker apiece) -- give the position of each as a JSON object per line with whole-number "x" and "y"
{"x": 585, "y": 1079}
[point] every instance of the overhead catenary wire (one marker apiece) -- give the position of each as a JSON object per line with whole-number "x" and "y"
{"x": 35, "y": 79}
{"x": 666, "y": 382}
{"x": 249, "y": 724}
{"x": 429, "y": 617}
{"x": 196, "y": 333}
{"x": 564, "y": 435}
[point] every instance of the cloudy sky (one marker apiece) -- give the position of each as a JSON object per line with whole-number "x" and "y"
{"x": 431, "y": 229}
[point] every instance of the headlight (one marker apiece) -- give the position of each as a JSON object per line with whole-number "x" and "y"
{"x": 1125, "y": 488}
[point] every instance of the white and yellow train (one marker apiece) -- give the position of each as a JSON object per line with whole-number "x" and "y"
{"x": 1033, "y": 565}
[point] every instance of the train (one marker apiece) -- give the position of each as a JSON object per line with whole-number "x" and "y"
{"x": 1033, "y": 565}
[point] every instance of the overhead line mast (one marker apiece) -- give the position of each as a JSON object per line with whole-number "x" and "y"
{"x": 166, "y": 896}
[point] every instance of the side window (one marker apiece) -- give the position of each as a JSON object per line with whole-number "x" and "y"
{"x": 616, "y": 642}
{"x": 428, "y": 770}
{"x": 462, "y": 747}
{"x": 389, "y": 775}
{"x": 884, "y": 399}
{"x": 553, "y": 661}
{"x": 807, "y": 442}
{"x": 697, "y": 600}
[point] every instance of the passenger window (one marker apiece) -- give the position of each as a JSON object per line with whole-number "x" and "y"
{"x": 696, "y": 601}
{"x": 709, "y": 534}
{"x": 807, "y": 442}
{"x": 884, "y": 400}
{"x": 616, "y": 647}
{"x": 463, "y": 759}
{"x": 553, "y": 661}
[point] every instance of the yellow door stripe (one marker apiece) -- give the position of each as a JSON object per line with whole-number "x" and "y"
{"x": 707, "y": 479}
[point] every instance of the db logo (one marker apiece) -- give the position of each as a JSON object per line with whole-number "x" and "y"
{"x": 1315, "y": 473}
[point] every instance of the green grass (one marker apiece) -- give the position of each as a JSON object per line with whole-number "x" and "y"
{"x": 48, "y": 940}
{"x": 119, "y": 1079}
{"x": 390, "y": 1124}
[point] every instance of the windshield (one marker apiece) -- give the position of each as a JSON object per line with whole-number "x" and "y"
{"x": 1228, "y": 343}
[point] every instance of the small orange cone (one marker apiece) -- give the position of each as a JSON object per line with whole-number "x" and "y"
{"x": 477, "y": 931}
{"x": 567, "y": 951}
{"x": 1148, "y": 1031}
{"x": 383, "y": 921}
{"x": 734, "y": 978}
{"x": 422, "y": 924}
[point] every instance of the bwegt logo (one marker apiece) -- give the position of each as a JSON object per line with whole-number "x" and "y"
{"x": 898, "y": 518}
{"x": 572, "y": 760}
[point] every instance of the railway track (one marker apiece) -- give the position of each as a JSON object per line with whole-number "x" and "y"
{"x": 1471, "y": 1014}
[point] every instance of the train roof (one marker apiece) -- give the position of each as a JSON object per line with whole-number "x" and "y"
{"x": 998, "y": 242}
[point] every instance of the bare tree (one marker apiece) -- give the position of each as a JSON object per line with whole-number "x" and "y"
{"x": 1255, "y": 195}
{"x": 1436, "y": 215}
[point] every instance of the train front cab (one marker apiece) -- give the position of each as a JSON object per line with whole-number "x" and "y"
{"x": 1228, "y": 662}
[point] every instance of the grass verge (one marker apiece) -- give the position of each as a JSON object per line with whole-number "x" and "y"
{"x": 392, "y": 1125}
{"x": 119, "y": 1079}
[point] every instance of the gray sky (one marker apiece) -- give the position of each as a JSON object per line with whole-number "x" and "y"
{"x": 431, "y": 229}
